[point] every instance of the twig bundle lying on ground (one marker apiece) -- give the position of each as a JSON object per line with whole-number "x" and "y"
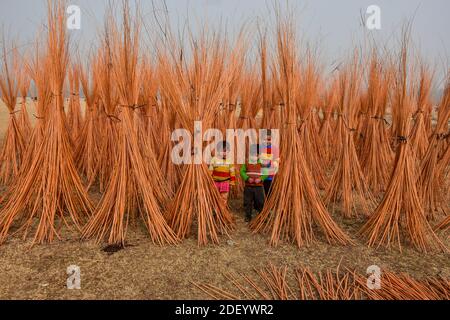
{"x": 274, "y": 283}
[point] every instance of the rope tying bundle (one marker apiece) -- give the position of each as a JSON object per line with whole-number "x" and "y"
{"x": 380, "y": 118}
{"x": 113, "y": 117}
{"x": 133, "y": 107}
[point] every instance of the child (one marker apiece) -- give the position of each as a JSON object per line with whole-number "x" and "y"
{"x": 269, "y": 161}
{"x": 222, "y": 170}
{"x": 253, "y": 189}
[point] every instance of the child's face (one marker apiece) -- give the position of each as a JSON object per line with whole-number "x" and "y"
{"x": 223, "y": 153}
{"x": 268, "y": 140}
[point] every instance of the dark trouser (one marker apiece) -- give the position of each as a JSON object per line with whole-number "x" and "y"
{"x": 267, "y": 187}
{"x": 253, "y": 198}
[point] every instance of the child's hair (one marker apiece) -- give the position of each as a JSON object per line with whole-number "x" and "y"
{"x": 223, "y": 146}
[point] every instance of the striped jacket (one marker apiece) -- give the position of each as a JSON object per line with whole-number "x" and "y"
{"x": 222, "y": 170}
{"x": 270, "y": 161}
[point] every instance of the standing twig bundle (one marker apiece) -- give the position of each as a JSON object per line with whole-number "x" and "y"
{"x": 48, "y": 188}
{"x": 108, "y": 113}
{"x": 430, "y": 180}
{"x": 13, "y": 145}
{"x": 37, "y": 69}
{"x": 326, "y": 133}
{"x": 327, "y": 285}
{"x": 24, "y": 118}
{"x": 172, "y": 172}
{"x": 348, "y": 179}
{"x": 270, "y": 116}
{"x": 87, "y": 151}
{"x": 401, "y": 208}
{"x": 419, "y": 133}
{"x": 272, "y": 284}
{"x": 195, "y": 90}
{"x": 250, "y": 100}
{"x": 131, "y": 190}
{"x": 297, "y": 206}
{"x": 147, "y": 95}
{"x": 375, "y": 154}
{"x": 74, "y": 118}
{"x": 308, "y": 86}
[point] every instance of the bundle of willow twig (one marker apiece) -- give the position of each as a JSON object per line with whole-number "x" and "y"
{"x": 194, "y": 89}
{"x": 36, "y": 67}
{"x": 401, "y": 208}
{"x": 250, "y": 100}
{"x": 430, "y": 179}
{"x": 326, "y": 134}
{"x": 348, "y": 182}
{"x": 294, "y": 205}
{"x": 162, "y": 121}
{"x": 131, "y": 191}
{"x": 108, "y": 113}
{"x": 270, "y": 117}
{"x": 13, "y": 147}
{"x": 419, "y": 133}
{"x": 148, "y": 91}
{"x": 235, "y": 84}
{"x": 48, "y": 188}
{"x": 74, "y": 118}
{"x": 86, "y": 154}
{"x": 308, "y": 87}
{"x": 272, "y": 283}
{"x": 403, "y": 287}
{"x": 24, "y": 118}
{"x": 151, "y": 115}
{"x": 375, "y": 153}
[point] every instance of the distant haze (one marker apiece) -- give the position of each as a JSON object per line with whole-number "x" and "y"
{"x": 335, "y": 25}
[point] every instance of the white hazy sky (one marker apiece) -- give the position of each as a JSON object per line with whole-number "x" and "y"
{"x": 335, "y": 24}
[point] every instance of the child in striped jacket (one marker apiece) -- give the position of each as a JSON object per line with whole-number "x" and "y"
{"x": 253, "y": 175}
{"x": 222, "y": 170}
